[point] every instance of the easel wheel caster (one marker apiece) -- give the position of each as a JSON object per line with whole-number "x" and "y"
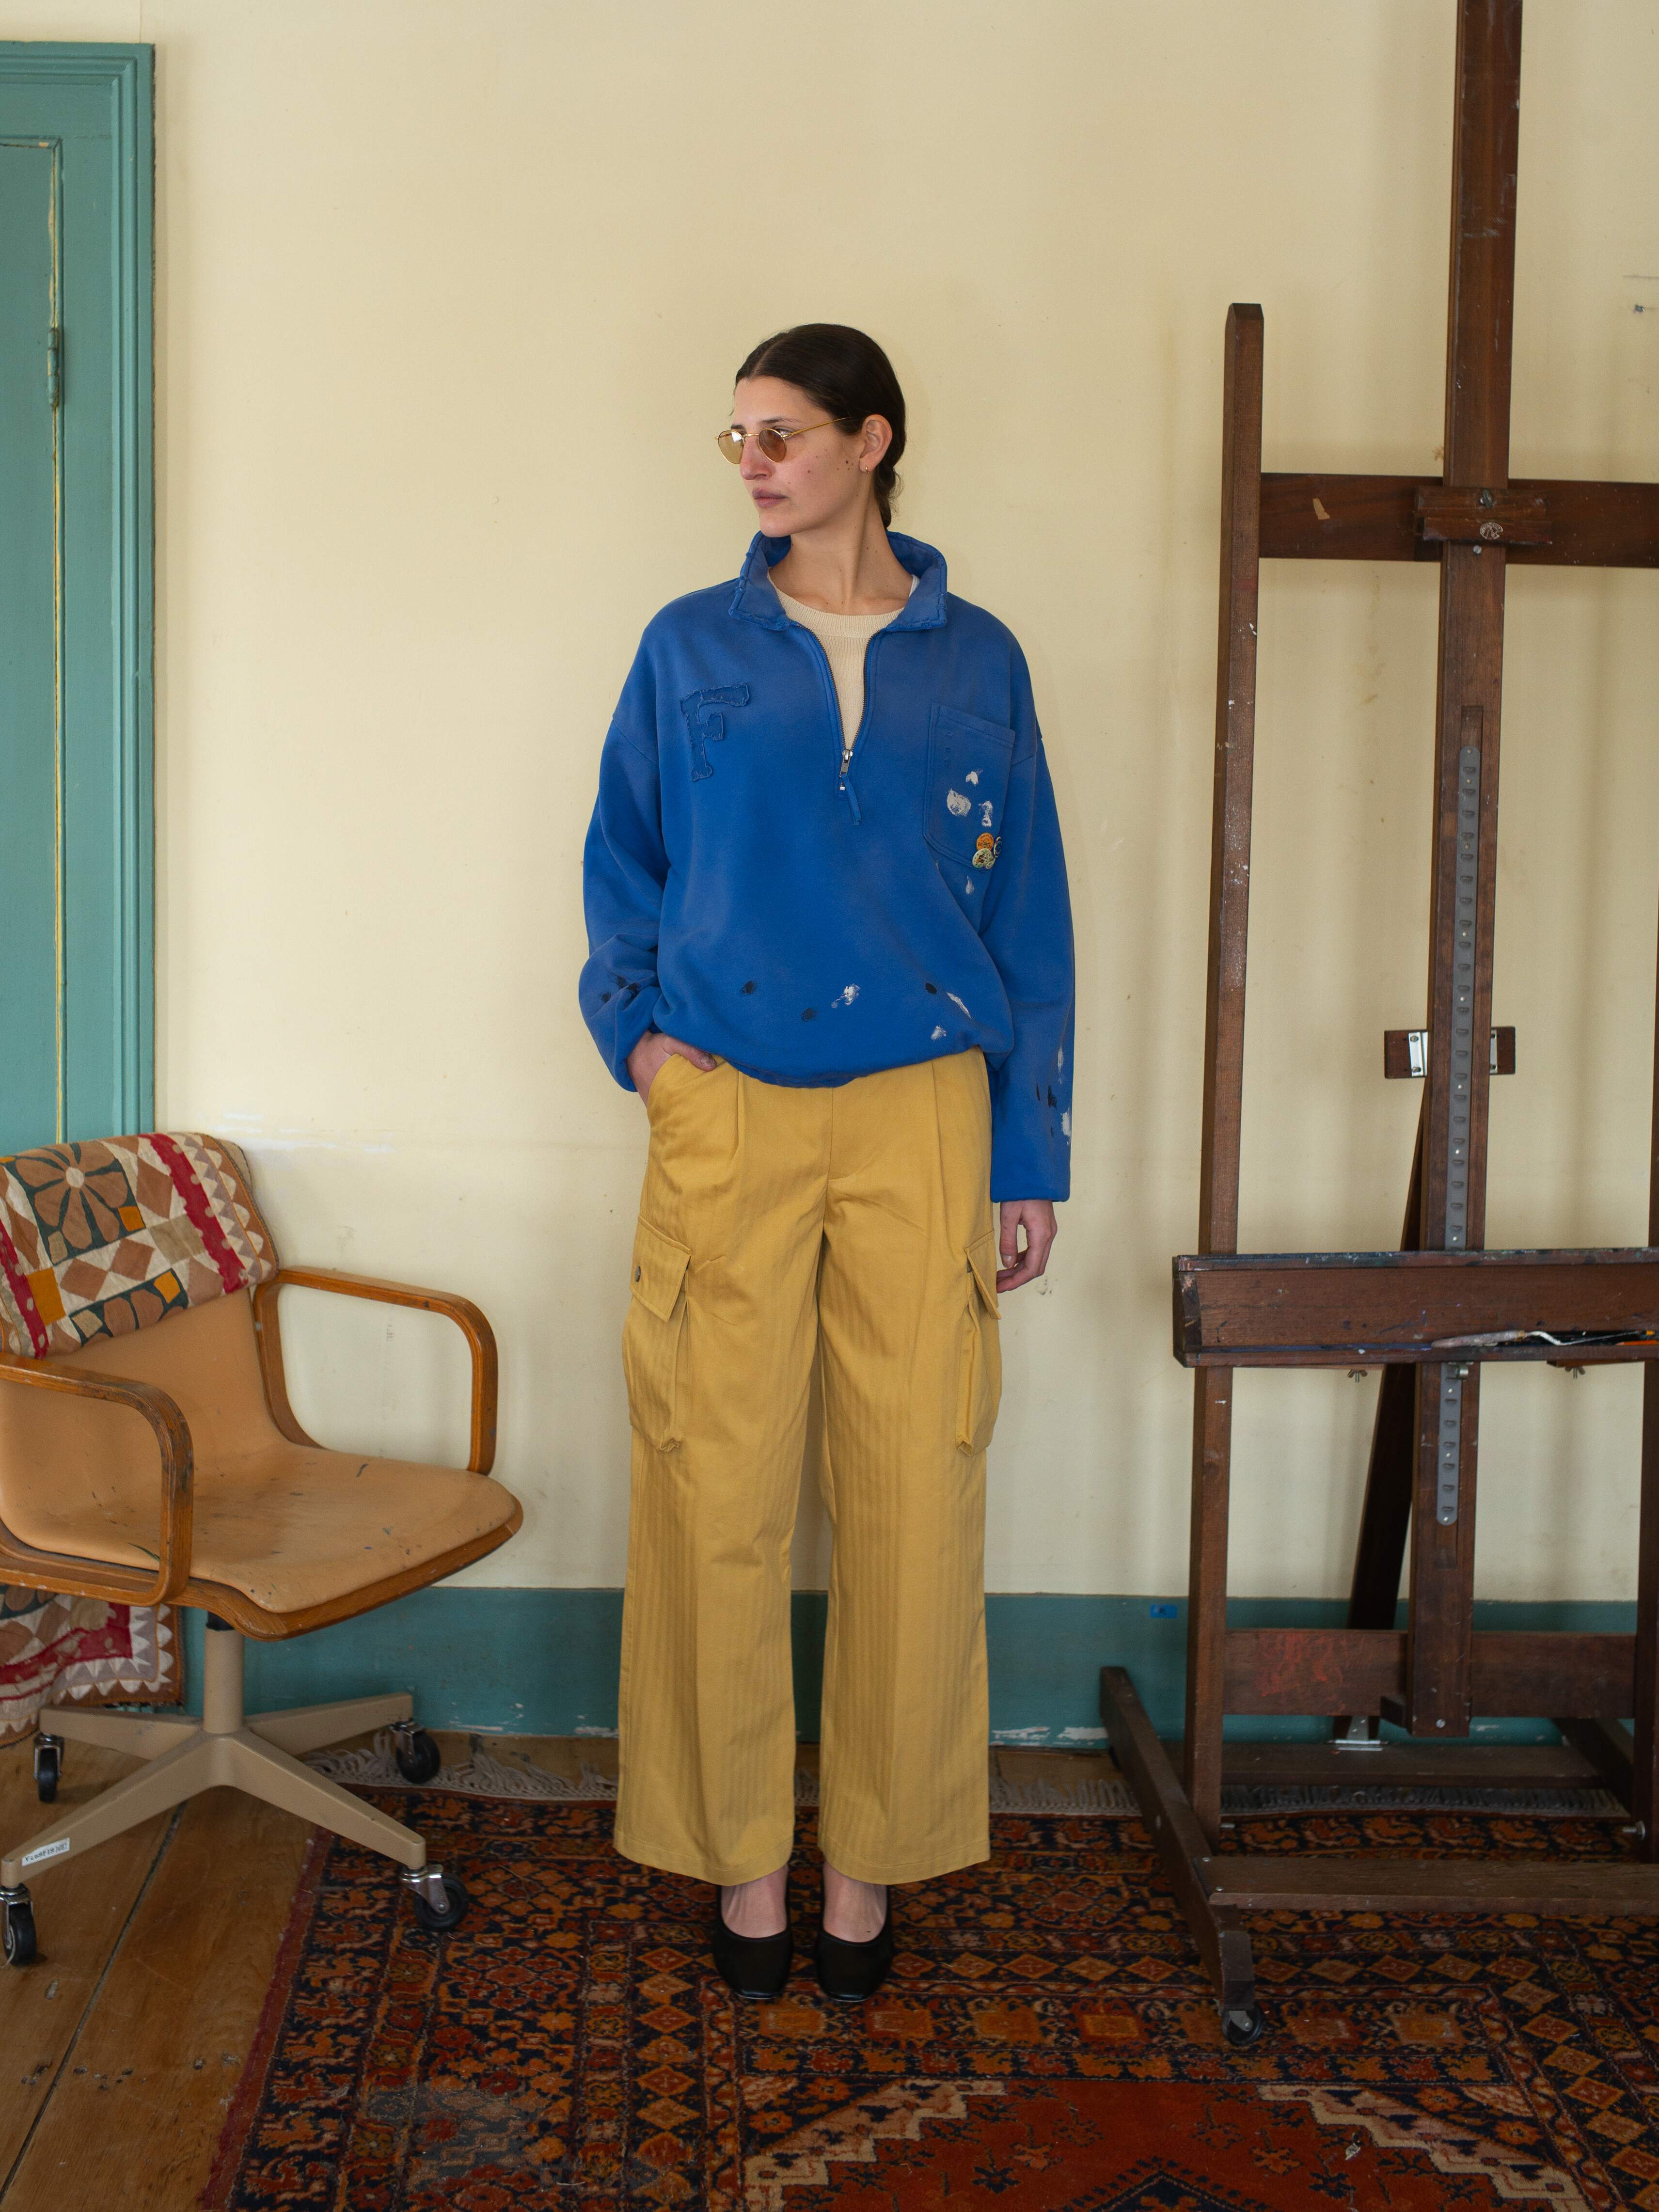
{"x": 1242, "y": 2025}
{"x": 19, "y": 1928}
{"x": 48, "y": 1767}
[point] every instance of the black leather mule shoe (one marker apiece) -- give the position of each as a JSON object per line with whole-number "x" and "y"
{"x": 852, "y": 1971}
{"x": 753, "y": 1966}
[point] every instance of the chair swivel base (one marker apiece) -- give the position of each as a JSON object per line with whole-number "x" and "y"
{"x": 225, "y": 1749}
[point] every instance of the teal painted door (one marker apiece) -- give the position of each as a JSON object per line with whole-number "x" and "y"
{"x": 77, "y": 169}
{"x": 30, "y": 965}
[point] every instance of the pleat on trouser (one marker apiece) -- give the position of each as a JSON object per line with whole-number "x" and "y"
{"x": 777, "y": 1226}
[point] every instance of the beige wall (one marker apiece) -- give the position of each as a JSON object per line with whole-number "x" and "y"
{"x": 449, "y": 300}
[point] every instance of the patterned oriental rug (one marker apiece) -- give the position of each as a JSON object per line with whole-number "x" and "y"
{"x": 1047, "y": 2042}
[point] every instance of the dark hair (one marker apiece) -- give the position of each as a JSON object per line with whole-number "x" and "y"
{"x": 848, "y": 375}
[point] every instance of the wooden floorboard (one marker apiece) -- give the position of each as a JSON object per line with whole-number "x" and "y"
{"x": 81, "y": 1909}
{"x": 136, "y": 2116}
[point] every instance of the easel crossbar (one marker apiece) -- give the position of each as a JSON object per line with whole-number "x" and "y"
{"x": 1368, "y": 1309}
{"x": 1362, "y": 518}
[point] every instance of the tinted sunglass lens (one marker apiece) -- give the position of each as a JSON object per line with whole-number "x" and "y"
{"x": 772, "y": 444}
{"x": 731, "y": 444}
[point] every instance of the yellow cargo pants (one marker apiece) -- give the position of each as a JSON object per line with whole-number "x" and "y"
{"x": 779, "y": 1226}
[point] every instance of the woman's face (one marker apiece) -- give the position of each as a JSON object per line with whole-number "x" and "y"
{"x": 824, "y": 475}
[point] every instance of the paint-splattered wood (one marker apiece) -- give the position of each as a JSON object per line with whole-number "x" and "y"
{"x": 136, "y": 2114}
{"x": 81, "y": 1910}
{"x": 1349, "y": 1308}
{"x": 1360, "y": 518}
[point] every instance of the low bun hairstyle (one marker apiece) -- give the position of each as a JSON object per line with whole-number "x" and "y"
{"x": 849, "y": 377}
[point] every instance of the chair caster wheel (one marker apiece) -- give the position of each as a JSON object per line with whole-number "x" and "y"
{"x": 1241, "y": 2026}
{"x": 48, "y": 1765}
{"x": 417, "y": 1754}
{"x": 19, "y": 1930}
{"x": 439, "y": 1920}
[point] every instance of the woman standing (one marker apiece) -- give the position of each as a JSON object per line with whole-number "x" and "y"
{"x": 830, "y": 947}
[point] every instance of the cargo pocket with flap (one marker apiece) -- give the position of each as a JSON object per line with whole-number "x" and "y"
{"x": 980, "y": 1388}
{"x": 652, "y": 1335}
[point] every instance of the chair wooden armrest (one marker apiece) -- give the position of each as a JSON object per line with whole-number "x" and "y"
{"x": 467, "y": 1317}
{"x": 107, "y": 1578}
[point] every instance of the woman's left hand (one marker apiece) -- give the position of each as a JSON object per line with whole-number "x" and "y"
{"x": 1036, "y": 1216}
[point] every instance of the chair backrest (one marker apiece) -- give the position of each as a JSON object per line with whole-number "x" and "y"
{"x": 101, "y": 1238}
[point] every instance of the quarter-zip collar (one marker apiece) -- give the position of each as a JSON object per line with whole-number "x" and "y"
{"x": 755, "y": 600}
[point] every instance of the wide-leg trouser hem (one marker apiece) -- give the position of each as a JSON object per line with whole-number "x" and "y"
{"x": 666, "y": 1860}
{"x": 889, "y": 1872}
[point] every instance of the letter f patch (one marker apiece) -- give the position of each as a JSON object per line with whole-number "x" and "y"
{"x": 706, "y": 722}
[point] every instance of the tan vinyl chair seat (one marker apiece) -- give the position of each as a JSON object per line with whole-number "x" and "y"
{"x": 291, "y": 1525}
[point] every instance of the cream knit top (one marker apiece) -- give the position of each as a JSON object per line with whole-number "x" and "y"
{"x": 843, "y": 638}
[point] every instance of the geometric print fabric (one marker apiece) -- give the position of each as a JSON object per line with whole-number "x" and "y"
{"x": 1048, "y": 2040}
{"x": 98, "y": 1239}
{"x": 55, "y": 1646}
{"x": 103, "y": 1237}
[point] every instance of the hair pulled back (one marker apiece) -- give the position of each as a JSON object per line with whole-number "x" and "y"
{"x": 849, "y": 377}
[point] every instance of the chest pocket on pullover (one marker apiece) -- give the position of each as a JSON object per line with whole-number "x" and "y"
{"x": 968, "y": 765}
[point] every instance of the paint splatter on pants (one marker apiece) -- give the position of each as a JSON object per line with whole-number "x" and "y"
{"x": 853, "y": 1227}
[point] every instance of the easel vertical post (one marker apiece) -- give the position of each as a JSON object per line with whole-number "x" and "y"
{"x": 1224, "y": 1038}
{"x": 1644, "y": 1778}
{"x": 1469, "y": 694}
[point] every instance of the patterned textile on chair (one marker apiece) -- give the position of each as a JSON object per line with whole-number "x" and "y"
{"x": 54, "y": 1646}
{"x": 98, "y": 1239}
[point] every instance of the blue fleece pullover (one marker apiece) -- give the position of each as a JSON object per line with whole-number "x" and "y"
{"x": 742, "y": 894}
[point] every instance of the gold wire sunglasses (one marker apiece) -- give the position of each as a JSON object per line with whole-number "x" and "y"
{"x": 773, "y": 443}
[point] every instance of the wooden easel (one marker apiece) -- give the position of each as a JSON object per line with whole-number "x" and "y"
{"x": 1413, "y": 1312}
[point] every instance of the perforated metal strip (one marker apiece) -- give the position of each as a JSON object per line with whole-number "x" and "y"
{"x": 1459, "y": 1092}
{"x": 1451, "y": 1444}
{"x": 1461, "y": 1080}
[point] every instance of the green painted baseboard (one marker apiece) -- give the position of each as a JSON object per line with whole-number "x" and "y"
{"x": 544, "y": 1661}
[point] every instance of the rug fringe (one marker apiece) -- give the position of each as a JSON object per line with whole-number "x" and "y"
{"x": 482, "y": 1775}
